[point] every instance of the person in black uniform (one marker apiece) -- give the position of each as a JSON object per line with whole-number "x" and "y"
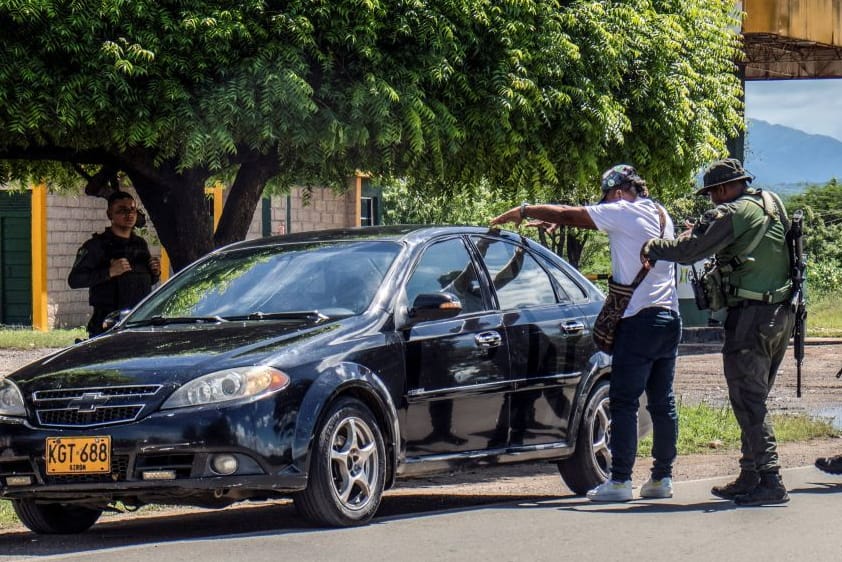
{"x": 115, "y": 265}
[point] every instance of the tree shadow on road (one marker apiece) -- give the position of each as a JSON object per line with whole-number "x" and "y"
{"x": 275, "y": 518}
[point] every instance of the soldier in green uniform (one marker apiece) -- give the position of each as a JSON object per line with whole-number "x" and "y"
{"x": 746, "y": 232}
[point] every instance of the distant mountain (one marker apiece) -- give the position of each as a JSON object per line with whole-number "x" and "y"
{"x": 787, "y": 160}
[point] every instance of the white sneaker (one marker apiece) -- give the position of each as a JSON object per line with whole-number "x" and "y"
{"x": 611, "y": 491}
{"x": 657, "y": 488}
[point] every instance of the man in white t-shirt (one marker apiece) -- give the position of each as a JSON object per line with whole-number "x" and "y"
{"x": 646, "y": 341}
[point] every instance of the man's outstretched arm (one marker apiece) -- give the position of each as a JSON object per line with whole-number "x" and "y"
{"x": 555, "y": 214}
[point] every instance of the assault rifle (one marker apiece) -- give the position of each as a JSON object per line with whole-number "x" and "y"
{"x": 795, "y": 243}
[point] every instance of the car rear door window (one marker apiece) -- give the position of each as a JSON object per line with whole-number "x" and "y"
{"x": 571, "y": 290}
{"x": 517, "y": 277}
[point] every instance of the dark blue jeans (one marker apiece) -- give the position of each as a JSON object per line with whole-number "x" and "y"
{"x": 645, "y": 348}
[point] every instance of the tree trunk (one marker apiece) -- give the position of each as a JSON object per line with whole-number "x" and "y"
{"x": 179, "y": 209}
{"x": 177, "y": 206}
{"x": 242, "y": 199}
{"x": 574, "y": 246}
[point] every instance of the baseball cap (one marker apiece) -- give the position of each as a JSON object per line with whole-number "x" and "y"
{"x": 616, "y": 177}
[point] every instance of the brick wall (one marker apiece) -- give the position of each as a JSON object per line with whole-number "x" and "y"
{"x": 326, "y": 209}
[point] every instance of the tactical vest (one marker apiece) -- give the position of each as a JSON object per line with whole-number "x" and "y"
{"x": 756, "y": 266}
{"x": 129, "y": 288}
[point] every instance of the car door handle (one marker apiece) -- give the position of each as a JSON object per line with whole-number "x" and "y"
{"x": 488, "y": 339}
{"x": 572, "y": 327}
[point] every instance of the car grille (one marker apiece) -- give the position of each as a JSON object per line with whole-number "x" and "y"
{"x": 91, "y": 407}
{"x": 99, "y": 416}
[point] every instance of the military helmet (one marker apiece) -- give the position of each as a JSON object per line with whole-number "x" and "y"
{"x": 618, "y": 176}
{"x": 723, "y": 171}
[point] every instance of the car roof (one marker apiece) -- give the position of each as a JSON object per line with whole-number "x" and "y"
{"x": 411, "y": 234}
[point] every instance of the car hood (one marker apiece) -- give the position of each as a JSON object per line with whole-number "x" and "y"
{"x": 167, "y": 355}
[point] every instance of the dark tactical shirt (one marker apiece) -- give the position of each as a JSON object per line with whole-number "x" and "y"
{"x": 91, "y": 270}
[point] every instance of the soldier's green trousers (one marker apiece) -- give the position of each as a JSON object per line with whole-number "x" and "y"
{"x": 756, "y": 338}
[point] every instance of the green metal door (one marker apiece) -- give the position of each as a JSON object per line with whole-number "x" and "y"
{"x": 15, "y": 258}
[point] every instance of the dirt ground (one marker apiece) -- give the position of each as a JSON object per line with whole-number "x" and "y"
{"x": 699, "y": 379}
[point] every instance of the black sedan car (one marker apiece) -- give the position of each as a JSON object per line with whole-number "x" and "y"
{"x": 320, "y": 366}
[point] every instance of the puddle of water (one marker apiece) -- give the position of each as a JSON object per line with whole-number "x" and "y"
{"x": 833, "y": 415}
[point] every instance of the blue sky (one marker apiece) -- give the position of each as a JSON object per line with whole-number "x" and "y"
{"x": 814, "y": 106}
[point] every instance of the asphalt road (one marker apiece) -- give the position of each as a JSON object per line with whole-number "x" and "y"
{"x": 691, "y": 526}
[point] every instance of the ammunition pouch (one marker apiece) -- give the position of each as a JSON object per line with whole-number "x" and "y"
{"x": 709, "y": 287}
{"x": 713, "y": 286}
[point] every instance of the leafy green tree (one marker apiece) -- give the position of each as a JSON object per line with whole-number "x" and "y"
{"x": 822, "y": 233}
{"x": 534, "y": 96}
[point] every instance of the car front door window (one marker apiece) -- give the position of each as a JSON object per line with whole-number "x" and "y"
{"x": 447, "y": 266}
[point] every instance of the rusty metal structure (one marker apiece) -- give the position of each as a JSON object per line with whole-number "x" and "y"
{"x": 792, "y": 39}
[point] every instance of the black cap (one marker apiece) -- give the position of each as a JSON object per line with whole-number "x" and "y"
{"x": 723, "y": 171}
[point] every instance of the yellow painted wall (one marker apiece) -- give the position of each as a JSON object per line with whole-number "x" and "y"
{"x": 819, "y": 21}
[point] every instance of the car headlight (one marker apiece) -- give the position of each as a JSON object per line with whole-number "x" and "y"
{"x": 230, "y": 384}
{"x": 11, "y": 400}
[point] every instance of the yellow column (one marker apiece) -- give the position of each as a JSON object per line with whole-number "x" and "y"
{"x": 216, "y": 193}
{"x": 39, "y": 257}
{"x": 165, "y": 265}
{"x": 217, "y": 204}
{"x": 358, "y": 198}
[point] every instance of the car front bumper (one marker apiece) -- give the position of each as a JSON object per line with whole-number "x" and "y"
{"x": 166, "y": 457}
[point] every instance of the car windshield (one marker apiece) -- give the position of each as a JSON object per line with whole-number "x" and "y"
{"x": 307, "y": 281}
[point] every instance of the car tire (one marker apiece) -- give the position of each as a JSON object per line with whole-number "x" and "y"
{"x": 590, "y": 464}
{"x": 55, "y": 518}
{"x": 347, "y": 468}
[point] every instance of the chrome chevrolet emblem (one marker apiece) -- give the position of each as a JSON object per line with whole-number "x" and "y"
{"x": 88, "y": 402}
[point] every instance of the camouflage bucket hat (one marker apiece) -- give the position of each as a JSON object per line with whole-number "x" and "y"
{"x": 723, "y": 171}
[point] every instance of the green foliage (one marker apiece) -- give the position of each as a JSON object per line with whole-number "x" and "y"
{"x": 7, "y": 515}
{"x": 822, "y": 233}
{"x": 824, "y": 313}
{"x": 406, "y": 204}
{"x": 526, "y": 93}
{"x": 703, "y": 427}
{"x": 532, "y": 97}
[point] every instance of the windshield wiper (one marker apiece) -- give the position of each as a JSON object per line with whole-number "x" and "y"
{"x": 313, "y": 316}
{"x": 164, "y": 320}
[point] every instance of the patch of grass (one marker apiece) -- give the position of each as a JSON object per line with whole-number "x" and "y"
{"x": 703, "y": 427}
{"x": 824, "y": 316}
{"x": 26, "y": 338}
{"x": 7, "y": 515}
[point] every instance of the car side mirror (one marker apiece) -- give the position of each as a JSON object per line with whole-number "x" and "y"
{"x": 434, "y": 306}
{"x": 114, "y": 318}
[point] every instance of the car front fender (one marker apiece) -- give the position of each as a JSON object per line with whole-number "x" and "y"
{"x": 345, "y": 379}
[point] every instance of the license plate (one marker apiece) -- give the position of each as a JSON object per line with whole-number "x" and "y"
{"x": 78, "y": 455}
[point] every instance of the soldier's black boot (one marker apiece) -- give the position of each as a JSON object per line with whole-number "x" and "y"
{"x": 769, "y": 491}
{"x": 744, "y": 483}
{"x": 831, "y": 465}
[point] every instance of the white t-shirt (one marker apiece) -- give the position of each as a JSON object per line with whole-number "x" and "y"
{"x": 629, "y": 224}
